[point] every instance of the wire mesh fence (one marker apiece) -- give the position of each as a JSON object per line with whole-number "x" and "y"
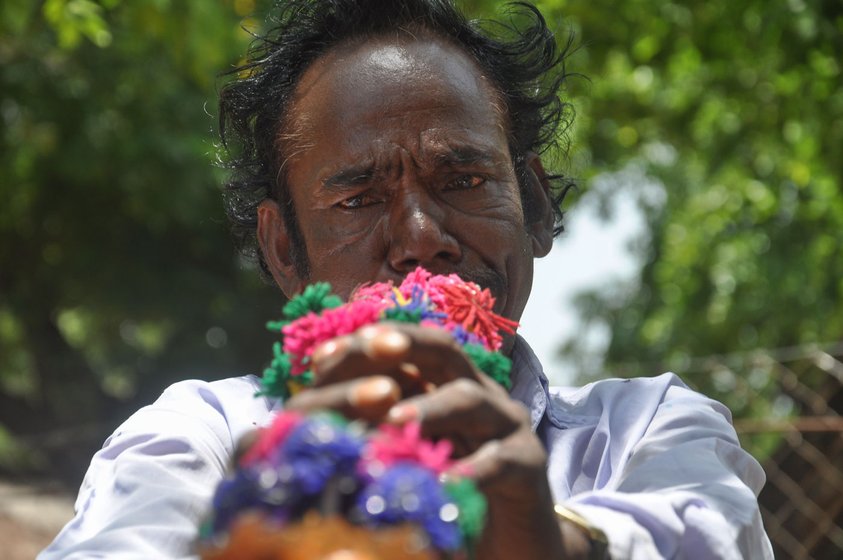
{"x": 788, "y": 407}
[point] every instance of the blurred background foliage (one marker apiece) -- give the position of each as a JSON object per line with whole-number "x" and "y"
{"x": 117, "y": 276}
{"x": 733, "y": 112}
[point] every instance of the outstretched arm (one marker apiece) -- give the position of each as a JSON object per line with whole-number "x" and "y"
{"x": 660, "y": 470}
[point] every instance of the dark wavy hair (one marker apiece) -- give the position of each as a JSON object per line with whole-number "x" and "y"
{"x": 520, "y": 56}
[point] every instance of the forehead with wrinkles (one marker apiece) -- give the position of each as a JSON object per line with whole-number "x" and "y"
{"x": 373, "y": 86}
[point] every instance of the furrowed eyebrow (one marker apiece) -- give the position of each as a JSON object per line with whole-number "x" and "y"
{"x": 463, "y": 155}
{"x": 356, "y": 175}
{"x": 350, "y": 177}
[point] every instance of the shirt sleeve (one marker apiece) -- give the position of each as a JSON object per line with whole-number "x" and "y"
{"x": 675, "y": 485}
{"x": 147, "y": 490}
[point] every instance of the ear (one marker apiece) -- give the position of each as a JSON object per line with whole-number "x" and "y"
{"x": 275, "y": 247}
{"x": 541, "y": 216}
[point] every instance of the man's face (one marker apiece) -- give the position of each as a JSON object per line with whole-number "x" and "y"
{"x": 400, "y": 159}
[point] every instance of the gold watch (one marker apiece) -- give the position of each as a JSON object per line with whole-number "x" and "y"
{"x": 599, "y": 542}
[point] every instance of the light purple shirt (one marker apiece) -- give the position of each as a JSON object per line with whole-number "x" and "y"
{"x": 655, "y": 465}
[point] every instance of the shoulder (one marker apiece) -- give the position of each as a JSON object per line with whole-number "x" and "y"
{"x": 608, "y": 390}
{"x": 229, "y": 388}
{"x": 632, "y": 401}
{"x": 193, "y": 425}
{"x": 223, "y": 410}
{"x": 233, "y": 398}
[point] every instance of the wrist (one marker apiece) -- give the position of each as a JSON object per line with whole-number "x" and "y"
{"x": 527, "y": 531}
{"x": 582, "y": 539}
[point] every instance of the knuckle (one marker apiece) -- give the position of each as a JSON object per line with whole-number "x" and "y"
{"x": 438, "y": 336}
{"x": 312, "y": 399}
{"x": 371, "y": 331}
{"x": 467, "y": 389}
{"x": 455, "y": 347}
{"x": 521, "y": 460}
{"x": 519, "y": 412}
{"x": 443, "y": 340}
{"x": 508, "y": 461}
{"x": 299, "y": 402}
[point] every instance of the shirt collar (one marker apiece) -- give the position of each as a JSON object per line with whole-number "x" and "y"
{"x": 529, "y": 384}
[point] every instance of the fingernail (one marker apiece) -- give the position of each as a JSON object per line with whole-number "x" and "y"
{"x": 458, "y": 471}
{"x": 328, "y": 349}
{"x": 389, "y": 343}
{"x": 374, "y": 391}
{"x": 448, "y": 478}
{"x": 412, "y": 371}
{"x": 403, "y": 413}
{"x": 370, "y": 331}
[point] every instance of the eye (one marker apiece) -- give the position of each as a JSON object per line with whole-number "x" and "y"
{"x": 466, "y": 182}
{"x": 357, "y": 201}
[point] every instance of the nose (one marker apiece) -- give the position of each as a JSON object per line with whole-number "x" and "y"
{"x": 417, "y": 236}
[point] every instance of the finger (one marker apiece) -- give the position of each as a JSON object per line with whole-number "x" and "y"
{"x": 402, "y": 351}
{"x": 438, "y": 356}
{"x": 369, "y": 398}
{"x": 373, "y": 350}
{"x": 513, "y": 465}
{"x": 463, "y": 411}
{"x": 373, "y": 346}
{"x": 243, "y": 445}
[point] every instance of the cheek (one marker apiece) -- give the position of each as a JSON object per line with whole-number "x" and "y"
{"x": 498, "y": 202}
{"x": 335, "y": 232}
{"x": 345, "y": 260}
{"x": 498, "y": 218}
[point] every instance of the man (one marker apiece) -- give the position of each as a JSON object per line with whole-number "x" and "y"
{"x": 369, "y": 138}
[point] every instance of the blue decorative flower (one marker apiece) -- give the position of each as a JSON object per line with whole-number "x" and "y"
{"x": 233, "y": 495}
{"x": 324, "y": 463}
{"x": 409, "y": 493}
{"x": 463, "y": 337}
{"x": 413, "y": 310}
{"x": 318, "y": 450}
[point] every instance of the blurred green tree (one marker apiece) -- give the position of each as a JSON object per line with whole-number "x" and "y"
{"x": 736, "y": 109}
{"x": 118, "y": 276}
